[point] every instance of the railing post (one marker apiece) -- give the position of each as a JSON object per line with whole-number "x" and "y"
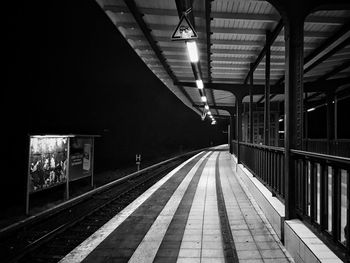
{"x": 294, "y": 44}
{"x": 251, "y": 82}
{"x": 238, "y": 126}
{"x": 267, "y": 90}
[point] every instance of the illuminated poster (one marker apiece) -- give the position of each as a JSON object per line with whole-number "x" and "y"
{"x": 48, "y": 162}
{"x": 80, "y": 158}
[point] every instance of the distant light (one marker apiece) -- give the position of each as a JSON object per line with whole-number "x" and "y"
{"x": 206, "y": 107}
{"x": 199, "y": 83}
{"x": 280, "y": 120}
{"x": 192, "y": 51}
{"x": 280, "y": 131}
{"x": 311, "y": 109}
{"x": 204, "y": 98}
{"x": 333, "y": 101}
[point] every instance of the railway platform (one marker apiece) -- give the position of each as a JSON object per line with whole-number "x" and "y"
{"x": 199, "y": 212}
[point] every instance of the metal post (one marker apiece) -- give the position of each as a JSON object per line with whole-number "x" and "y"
{"x": 28, "y": 180}
{"x": 231, "y": 131}
{"x": 330, "y": 122}
{"x": 267, "y": 90}
{"x": 68, "y": 161}
{"x": 306, "y": 127}
{"x": 335, "y": 117}
{"x": 92, "y": 161}
{"x": 294, "y": 40}
{"x": 251, "y": 130}
{"x": 238, "y": 126}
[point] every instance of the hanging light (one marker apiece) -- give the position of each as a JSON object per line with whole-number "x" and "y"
{"x": 204, "y": 98}
{"x": 199, "y": 83}
{"x": 206, "y": 107}
{"x": 192, "y": 51}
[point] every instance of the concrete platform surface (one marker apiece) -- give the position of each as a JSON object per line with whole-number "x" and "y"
{"x": 181, "y": 219}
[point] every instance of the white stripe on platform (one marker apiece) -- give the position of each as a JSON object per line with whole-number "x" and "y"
{"x": 147, "y": 249}
{"x": 85, "y": 248}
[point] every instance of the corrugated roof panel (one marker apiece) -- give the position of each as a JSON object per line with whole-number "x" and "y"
{"x": 159, "y": 4}
{"x": 256, "y": 98}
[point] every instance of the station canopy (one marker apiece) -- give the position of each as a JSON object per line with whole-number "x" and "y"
{"x": 231, "y": 39}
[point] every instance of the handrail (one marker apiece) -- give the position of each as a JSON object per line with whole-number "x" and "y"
{"x": 326, "y": 157}
{"x": 266, "y": 147}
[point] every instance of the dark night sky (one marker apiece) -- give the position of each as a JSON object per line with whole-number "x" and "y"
{"x": 70, "y": 71}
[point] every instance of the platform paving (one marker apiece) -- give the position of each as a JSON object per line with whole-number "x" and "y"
{"x": 179, "y": 221}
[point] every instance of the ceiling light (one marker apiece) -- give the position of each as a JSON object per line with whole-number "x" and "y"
{"x": 192, "y": 51}
{"x": 280, "y": 120}
{"x": 311, "y": 109}
{"x": 199, "y": 83}
{"x": 206, "y": 107}
{"x": 204, "y": 98}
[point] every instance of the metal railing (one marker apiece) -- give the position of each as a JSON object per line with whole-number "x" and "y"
{"x": 339, "y": 147}
{"x": 267, "y": 164}
{"x": 323, "y": 194}
{"x": 322, "y": 188}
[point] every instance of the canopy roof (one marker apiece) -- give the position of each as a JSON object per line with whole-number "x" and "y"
{"x": 231, "y": 40}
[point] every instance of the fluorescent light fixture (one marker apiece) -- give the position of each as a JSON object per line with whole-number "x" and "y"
{"x": 206, "y": 107}
{"x": 280, "y": 120}
{"x": 209, "y": 113}
{"x": 280, "y": 131}
{"x": 213, "y": 122}
{"x": 204, "y": 98}
{"x": 311, "y": 109}
{"x": 199, "y": 83}
{"x": 192, "y": 51}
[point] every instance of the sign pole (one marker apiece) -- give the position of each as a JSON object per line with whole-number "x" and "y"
{"x": 138, "y": 161}
{"x": 28, "y": 182}
{"x": 67, "y": 179}
{"x": 92, "y": 161}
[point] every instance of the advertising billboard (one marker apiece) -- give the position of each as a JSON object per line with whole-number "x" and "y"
{"x": 48, "y": 162}
{"x": 80, "y": 158}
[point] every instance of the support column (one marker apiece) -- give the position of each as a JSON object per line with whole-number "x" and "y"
{"x": 267, "y": 90}
{"x": 330, "y": 122}
{"x": 251, "y": 128}
{"x": 335, "y": 117}
{"x": 306, "y": 126}
{"x": 238, "y": 126}
{"x": 294, "y": 40}
{"x": 231, "y": 131}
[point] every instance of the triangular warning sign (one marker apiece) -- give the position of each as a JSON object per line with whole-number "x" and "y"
{"x": 203, "y": 115}
{"x": 184, "y": 30}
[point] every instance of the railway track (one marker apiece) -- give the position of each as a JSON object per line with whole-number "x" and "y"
{"x": 51, "y": 238}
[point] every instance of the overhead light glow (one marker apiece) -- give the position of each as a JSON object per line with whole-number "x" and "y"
{"x": 192, "y": 51}
{"x": 204, "y": 98}
{"x": 311, "y": 109}
{"x": 209, "y": 113}
{"x": 206, "y": 107}
{"x": 280, "y": 131}
{"x": 199, "y": 83}
{"x": 213, "y": 122}
{"x": 280, "y": 120}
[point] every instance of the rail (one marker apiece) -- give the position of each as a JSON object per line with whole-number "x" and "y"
{"x": 54, "y": 210}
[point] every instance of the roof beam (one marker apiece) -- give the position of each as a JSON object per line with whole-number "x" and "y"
{"x": 336, "y": 42}
{"x": 330, "y": 20}
{"x": 336, "y": 70}
{"x": 142, "y": 25}
{"x": 325, "y": 50}
{"x": 208, "y": 34}
{"x": 222, "y": 30}
{"x": 270, "y": 41}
